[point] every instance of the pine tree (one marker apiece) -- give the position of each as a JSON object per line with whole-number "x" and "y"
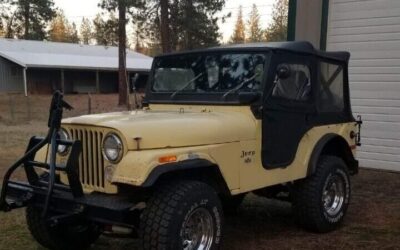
{"x": 31, "y": 18}
{"x": 255, "y": 33}
{"x": 182, "y": 25}
{"x": 122, "y": 6}
{"x": 86, "y": 31}
{"x": 58, "y": 31}
{"x": 10, "y": 29}
{"x": 199, "y": 23}
{"x": 239, "y": 35}
{"x": 2, "y": 30}
{"x": 72, "y": 34}
{"x": 106, "y": 31}
{"x": 277, "y": 30}
{"x": 62, "y": 31}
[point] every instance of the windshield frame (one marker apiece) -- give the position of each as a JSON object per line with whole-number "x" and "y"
{"x": 216, "y": 98}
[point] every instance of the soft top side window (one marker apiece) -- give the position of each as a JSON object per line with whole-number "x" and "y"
{"x": 293, "y": 82}
{"x": 331, "y": 88}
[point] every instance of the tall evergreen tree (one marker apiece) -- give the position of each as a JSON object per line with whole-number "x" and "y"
{"x": 277, "y": 30}
{"x": 2, "y": 29}
{"x": 165, "y": 25}
{"x": 200, "y": 27}
{"x": 72, "y": 32}
{"x": 32, "y": 17}
{"x": 11, "y": 28}
{"x": 255, "y": 33}
{"x": 2, "y": 25}
{"x": 239, "y": 33}
{"x": 122, "y": 6}
{"x": 106, "y": 31}
{"x": 86, "y": 31}
{"x": 62, "y": 31}
{"x": 58, "y": 28}
{"x": 183, "y": 24}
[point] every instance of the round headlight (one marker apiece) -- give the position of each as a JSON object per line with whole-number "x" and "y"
{"x": 63, "y": 135}
{"x": 112, "y": 148}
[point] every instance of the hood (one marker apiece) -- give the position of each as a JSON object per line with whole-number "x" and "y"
{"x": 161, "y": 129}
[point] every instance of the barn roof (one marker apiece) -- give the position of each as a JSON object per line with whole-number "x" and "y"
{"x": 40, "y": 54}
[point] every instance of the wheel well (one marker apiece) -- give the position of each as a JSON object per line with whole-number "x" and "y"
{"x": 189, "y": 170}
{"x": 337, "y": 146}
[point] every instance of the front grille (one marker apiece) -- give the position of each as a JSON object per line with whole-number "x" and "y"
{"x": 91, "y": 161}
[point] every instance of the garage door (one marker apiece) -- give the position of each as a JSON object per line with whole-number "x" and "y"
{"x": 370, "y": 30}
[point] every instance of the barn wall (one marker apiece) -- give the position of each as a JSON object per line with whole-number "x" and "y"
{"x": 43, "y": 81}
{"x": 11, "y": 76}
{"x": 80, "y": 81}
{"x": 370, "y": 30}
{"x": 46, "y": 81}
{"x": 108, "y": 82}
{"x": 308, "y": 21}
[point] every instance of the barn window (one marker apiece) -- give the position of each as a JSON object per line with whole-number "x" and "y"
{"x": 331, "y": 88}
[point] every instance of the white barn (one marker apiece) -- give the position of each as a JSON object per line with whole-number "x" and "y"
{"x": 41, "y": 67}
{"x": 370, "y": 31}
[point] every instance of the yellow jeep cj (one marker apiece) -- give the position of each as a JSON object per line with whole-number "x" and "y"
{"x": 273, "y": 119}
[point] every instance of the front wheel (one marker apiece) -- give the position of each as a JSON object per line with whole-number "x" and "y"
{"x": 74, "y": 236}
{"x": 185, "y": 215}
{"x": 321, "y": 200}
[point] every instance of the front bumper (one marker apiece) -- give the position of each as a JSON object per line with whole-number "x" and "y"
{"x": 97, "y": 207}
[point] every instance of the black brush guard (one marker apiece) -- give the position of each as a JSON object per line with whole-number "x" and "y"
{"x": 58, "y": 201}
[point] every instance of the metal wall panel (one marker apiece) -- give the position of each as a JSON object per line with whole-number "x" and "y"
{"x": 370, "y": 30}
{"x": 11, "y": 77}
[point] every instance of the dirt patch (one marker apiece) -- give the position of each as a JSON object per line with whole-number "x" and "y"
{"x": 372, "y": 222}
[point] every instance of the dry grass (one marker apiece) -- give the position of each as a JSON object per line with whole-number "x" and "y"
{"x": 372, "y": 222}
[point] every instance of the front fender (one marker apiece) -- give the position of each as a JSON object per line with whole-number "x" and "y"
{"x": 137, "y": 168}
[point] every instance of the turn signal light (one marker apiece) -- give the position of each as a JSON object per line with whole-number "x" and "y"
{"x": 168, "y": 158}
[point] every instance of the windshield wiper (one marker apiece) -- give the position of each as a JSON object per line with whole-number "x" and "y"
{"x": 239, "y": 86}
{"x": 187, "y": 84}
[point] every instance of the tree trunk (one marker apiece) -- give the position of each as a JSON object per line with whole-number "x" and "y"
{"x": 26, "y": 20}
{"x": 189, "y": 26}
{"x": 123, "y": 81}
{"x": 165, "y": 38}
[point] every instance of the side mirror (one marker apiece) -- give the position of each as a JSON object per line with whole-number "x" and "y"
{"x": 248, "y": 97}
{"x": 283, "y": 71}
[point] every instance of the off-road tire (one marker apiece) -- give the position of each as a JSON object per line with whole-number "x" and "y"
{"x": 308, "y": 206}
{"x": 60, "y": 237}
{"x": 162, "y": 221}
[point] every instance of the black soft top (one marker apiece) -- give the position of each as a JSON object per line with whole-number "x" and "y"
{"x": 301, "y": 47}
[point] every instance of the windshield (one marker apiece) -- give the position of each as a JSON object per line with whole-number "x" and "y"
{"x": 208, "y": 73}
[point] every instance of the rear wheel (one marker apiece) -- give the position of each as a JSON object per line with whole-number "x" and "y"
{"x": 185, "y": 215}
{"x": 321, "y": 200}
{"x": 74, "y": 236}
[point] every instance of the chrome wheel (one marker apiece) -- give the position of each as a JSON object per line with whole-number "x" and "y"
{"x": 333, "y": 194}
{"x": 198, "y": 230}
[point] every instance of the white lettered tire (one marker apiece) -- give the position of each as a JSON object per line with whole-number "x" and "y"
{"x": 182, "y": 215}
{"x": 321, "y": 200}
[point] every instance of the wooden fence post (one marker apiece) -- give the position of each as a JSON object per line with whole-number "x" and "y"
{"x": 12, "y": 108}
{"x": 28, "y": 108}
{"x": 89, "y": 103}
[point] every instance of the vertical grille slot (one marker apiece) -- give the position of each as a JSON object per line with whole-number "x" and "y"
{"x": 91, "y": 161}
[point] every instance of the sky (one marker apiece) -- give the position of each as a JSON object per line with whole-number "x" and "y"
{"x": 76, "y": 9}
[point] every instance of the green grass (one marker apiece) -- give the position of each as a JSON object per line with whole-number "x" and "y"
{"x": 14, "y": 233}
